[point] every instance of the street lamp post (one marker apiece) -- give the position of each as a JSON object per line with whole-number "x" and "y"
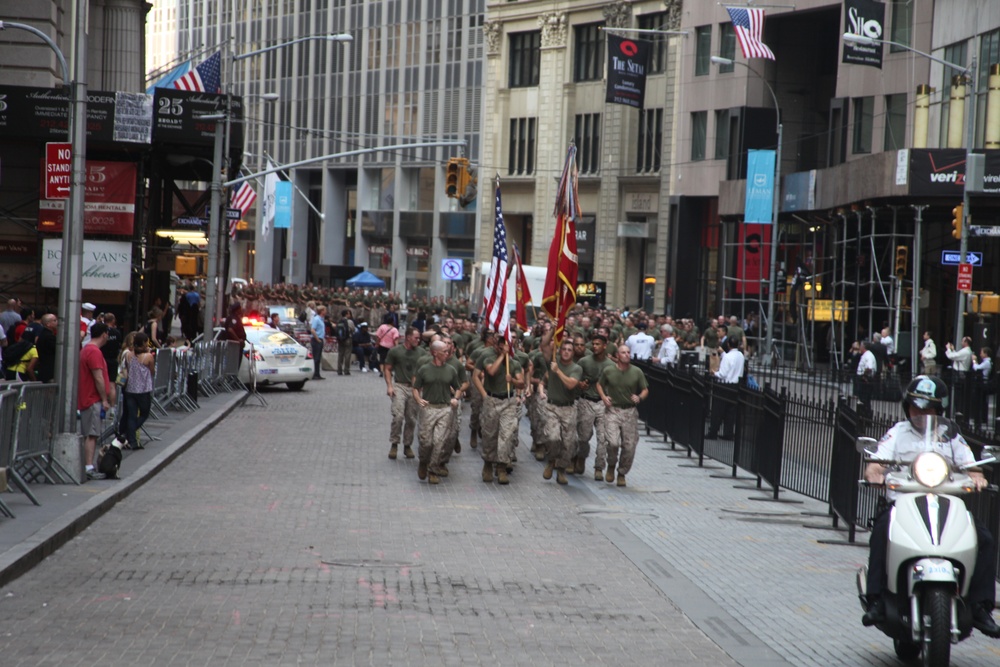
{"x": 769, "y": 338}
{"x": 970, "y": 137}
{"x": 214, "y": 288}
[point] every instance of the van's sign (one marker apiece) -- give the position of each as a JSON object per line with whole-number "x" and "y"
{"x": 107, "y": 265}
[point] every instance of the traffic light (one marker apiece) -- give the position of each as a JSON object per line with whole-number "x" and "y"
{"x": 956, "y": 223}
{"x": 902, "y": 255}
{"x": 456, "y": 177}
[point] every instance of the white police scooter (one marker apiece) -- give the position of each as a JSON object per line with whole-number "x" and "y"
{"x": 932, "y": 551}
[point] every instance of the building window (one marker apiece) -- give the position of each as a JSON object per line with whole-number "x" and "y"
{"x": 650, "y": 141}
{"x": 722, "y": 134}
{"x": 699, "y": 132}
{"x": 727, "y": 45}
{"x": 863, "y": 117}
{"x": 658, "y": 43}
{"x": 525, "y": 55}
{"x": 902, "y": 25}
{"x": 588, "y": 142}
{"x": 588, "y": 60}
{"x": 703, "y": 49}
{"x": 521, "y": 157}
{"x": 895, "y": 122}
{"x": 956, "y": 54}
{"x": 989, "y": 53}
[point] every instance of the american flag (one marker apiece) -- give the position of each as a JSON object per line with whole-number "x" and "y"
{"x": 244, "y": 198}
{"x": 205, "y": 78}
{"x": 749, "y": 25}
{"x": 495, "y": 296}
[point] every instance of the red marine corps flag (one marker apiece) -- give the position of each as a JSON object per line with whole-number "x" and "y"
{"x": 559, "y": 295}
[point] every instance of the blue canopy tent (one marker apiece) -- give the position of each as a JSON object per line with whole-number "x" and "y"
{"x": 366, "y": 279}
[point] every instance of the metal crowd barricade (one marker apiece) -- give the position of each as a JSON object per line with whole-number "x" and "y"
{"x": 205, "y": 355}
{"x": 749, "y": 422}
{"x": 163, "y": 369}
{"x": 36, "y": 425}
{"x": 771, "y": 444}
{"x": 8, "y": 431}
{"x": 185, "y": 363}
{"x": 231, "y": 351}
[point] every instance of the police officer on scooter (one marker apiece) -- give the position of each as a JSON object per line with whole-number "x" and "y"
{"x": 926, "y": 396}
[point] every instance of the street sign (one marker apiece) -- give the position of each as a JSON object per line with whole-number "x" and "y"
{"x": 451, "y": 269}
{"x": 954, "y": 257}
{"x": 58, "y": 172}
{"x": 980, "y": 230}
{"x": 965, "y": 277}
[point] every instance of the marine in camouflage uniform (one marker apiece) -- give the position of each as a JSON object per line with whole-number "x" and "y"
{"x": 621, "y": 389}
{"x": 562, "y": 379}
{"x": 590, "y": 408}
{"x": 498, "y": 378}
{"x": 435, "y": 386}
{"x": 400, "y": 366}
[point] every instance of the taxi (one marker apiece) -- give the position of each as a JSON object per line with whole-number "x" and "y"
{"x": 271, "y": 356}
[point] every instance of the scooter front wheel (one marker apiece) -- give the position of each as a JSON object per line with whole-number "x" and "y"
{"x": 936, "y": 610}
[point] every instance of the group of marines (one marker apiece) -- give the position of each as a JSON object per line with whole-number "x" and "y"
{"x": 571, "y": 390}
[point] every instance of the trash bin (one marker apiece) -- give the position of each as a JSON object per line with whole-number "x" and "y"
{"x": 192, "y": 386}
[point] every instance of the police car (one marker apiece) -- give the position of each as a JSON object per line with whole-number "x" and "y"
{"x": 277, "y": 357}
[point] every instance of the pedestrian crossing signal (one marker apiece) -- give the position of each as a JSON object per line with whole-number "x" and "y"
{"x": 456, "y": 177}
{"x": 902, "y": 257}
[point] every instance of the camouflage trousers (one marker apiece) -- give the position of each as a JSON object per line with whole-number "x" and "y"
{"x": 536, "y": 419}
{"x": 499, "y": 420}
{"x": 435, "y": 421}
{"x": 476, "y": 411}
{"x": 451, "y": 435}
{"x": 560, "y": 434}
{"x": 590, "y": 418}
{"x": 621, "y": 425}
{"x": 404, "y": 409}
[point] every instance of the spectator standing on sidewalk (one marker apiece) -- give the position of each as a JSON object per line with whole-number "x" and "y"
{"x": 641, "y": 343}
{"x": 140, "y": 367}
{"x": 730, "y": 371}
{"x": 317, "y": 331}
{"x": 435, "y": 390}
{"x": 961, "y": 360}
{"x": 95, "y": 395}
{"x": 669, "y": 352}
{"x": 112, "y": 349}
{"x": 45, "y": 343}
{"x": 345, "y": 334}
{"x": 400, "y": 366}
{"x": 622, "y": 387}
{"x": 928, "y": 355}
{"x": 386, "y": 337}
{"x": 866, "y": 374}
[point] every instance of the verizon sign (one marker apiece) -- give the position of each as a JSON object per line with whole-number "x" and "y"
{"x": 58, "y": 169}
{"x": 940, "y": 172}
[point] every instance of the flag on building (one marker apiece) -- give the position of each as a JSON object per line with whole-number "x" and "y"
{"x": 559, "y": 295}
{"x": 749, "y": 26}
{"x": 170, "y": 78}
{"x": 495, "y": 311}
{"x": 267, "y": 215}
{"x": 522, "y": 292}
{"x": 205, "y": 78}
{"x": 244, "y": 197}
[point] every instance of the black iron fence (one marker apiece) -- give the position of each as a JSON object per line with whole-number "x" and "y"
{"x": 799, "y": 435}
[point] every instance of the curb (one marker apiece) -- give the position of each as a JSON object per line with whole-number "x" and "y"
{"x": 49, "y": 538}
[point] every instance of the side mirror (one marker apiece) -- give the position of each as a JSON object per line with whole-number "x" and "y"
{"x": 866, "y": 445}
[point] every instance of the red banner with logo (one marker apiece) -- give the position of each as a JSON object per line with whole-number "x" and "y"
{"x": 108, "y": 204}
{"x": 753, "y": 258}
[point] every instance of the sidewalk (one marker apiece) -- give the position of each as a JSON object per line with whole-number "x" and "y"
{"x": 67, "y": 509}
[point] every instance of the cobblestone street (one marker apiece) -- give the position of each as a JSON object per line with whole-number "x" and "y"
{"x": 286, "y": 536}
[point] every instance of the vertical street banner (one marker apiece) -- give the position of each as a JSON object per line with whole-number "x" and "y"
{"x": 752, "y": 258}
{"x": 865, "y": 18}
{"x": 759, "y": 202}
{"x": 283, "y": 205}
{"x": 628, "y": 61}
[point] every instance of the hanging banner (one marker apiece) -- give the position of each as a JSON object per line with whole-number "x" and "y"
{"x": 759, "y": 204}
{"x": 283, "y": 205}
{"x": 752, "y": 259}
{"x": 628, "y": 61}
{"x": 108, "y": 203}
{"x": 865, "y": 18}
{"x": 799, "y": 191}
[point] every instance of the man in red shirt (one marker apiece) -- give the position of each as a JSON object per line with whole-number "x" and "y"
{"x": 96, "y": 394}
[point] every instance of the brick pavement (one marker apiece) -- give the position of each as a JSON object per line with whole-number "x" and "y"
{"x": 286, "y": 536}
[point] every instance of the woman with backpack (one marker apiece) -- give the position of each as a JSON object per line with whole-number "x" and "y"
{"x": 135, "y": 376}
{"x": 20, "y": 359}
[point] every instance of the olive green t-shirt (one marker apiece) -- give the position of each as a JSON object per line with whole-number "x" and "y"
{"x": 557, "y": 391}
{"x": 711, "y": 338}
{"x": 592, "y": 369}
{"x": 619, "y": 386}
{"x": 497, "y": 384}
{"x": 463, "y": 376}
{"x": 404, "y": 362}
{"x": 436, "y": 382}
{"x": 539, "y": 364}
